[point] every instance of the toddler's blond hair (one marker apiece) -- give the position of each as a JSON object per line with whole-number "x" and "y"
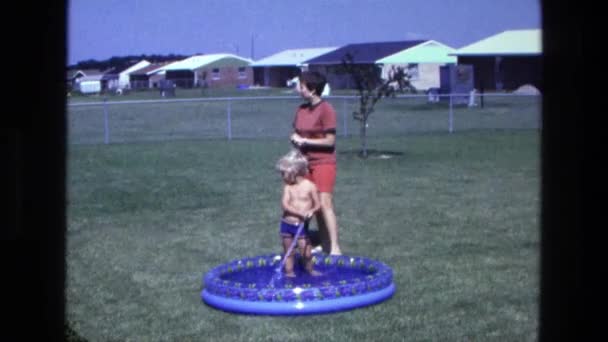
{"x": 293, "y": 164}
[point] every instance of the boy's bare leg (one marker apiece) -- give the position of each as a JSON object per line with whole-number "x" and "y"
{"x": 306, "y": 250}
{"x": 289, "y": 259}
{"x": 330, "y": 223}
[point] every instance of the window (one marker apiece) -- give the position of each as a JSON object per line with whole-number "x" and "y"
{"x": 242, "y": 72}
{"x": 412, "y": 70}
{"x": 215, "y": 74}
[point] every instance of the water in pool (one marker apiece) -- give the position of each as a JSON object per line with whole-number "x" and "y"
{"x": 267, "y": 276}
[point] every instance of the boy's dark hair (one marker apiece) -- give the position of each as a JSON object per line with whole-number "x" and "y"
{"x": 313, "y": 81}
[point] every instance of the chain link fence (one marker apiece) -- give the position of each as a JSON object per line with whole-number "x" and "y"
{"x": 229, "y": 118}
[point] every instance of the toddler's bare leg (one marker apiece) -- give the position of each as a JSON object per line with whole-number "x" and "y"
{"x": 289, "y": 259}
{"x": 306, "y": 250}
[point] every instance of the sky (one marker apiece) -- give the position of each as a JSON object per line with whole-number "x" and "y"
{"x": 101, "y": 29}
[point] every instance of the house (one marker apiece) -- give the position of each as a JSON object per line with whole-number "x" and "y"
{"x": 93, "y": 81}
{"x": 422, "y": 62}
{"x": 505, "y": 61}
{"x": 124, "y": 75}
{"x": 74, "y": 75}
{"x": 90, "y": 84}
{"x": 148, "y": 76}
{"x": 109, "y": 81}
{"x": 275, "y": 70}
{"x": 71, "y": 77}
{"x": 367, "y": 56}
{"x": 212, "y": 70}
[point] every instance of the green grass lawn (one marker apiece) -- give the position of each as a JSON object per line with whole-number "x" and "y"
{"x": 455, "y": 215}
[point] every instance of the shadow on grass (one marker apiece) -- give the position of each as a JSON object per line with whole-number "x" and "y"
{"x": 373, "y": 154}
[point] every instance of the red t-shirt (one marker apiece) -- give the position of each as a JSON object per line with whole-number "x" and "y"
{"x": 315, "y": 121}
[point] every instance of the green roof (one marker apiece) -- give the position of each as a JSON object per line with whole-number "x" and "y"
{"x": 427, "y": 52}
{"x": 513, "y": 42}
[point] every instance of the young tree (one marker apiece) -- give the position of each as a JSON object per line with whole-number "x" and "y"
{"x": 371, "y": 88}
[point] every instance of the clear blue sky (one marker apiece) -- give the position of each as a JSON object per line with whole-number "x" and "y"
{"x": 100, "y": 29}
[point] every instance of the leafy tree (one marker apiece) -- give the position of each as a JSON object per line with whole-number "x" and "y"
{"x": 371, "y": 88}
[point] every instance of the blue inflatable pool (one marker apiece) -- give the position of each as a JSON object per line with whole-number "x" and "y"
{"x": 251, "y": 286}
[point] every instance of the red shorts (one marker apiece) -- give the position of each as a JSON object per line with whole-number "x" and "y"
{"x": 324, "y": 176}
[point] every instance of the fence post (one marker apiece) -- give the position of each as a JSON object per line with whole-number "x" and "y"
{"x": 344, "y": 117}
{"x": 229, "y": 120}
{"x": 106, "y": 127}
{"x": 451, "y": 118}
